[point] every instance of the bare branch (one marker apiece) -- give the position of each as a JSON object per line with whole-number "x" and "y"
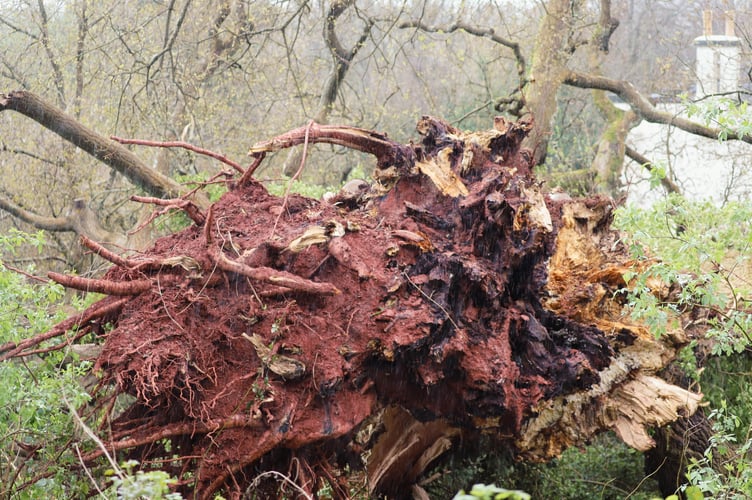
{"x": 644, "y": 108}
{"x": 45, "y": 39}
{"x": 668, "y": 184}
{"x": 479, "y": 32}
{"x": 36, "y": 220}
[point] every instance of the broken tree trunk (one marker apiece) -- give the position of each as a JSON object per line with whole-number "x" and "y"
{"x": 451, "y": 297}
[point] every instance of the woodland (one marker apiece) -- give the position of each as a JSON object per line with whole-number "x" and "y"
{"x": 349, "y": 249}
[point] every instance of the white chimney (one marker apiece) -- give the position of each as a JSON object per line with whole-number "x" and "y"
{"x": 718, "y": 56}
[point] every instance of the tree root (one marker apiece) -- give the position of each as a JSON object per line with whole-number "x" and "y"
{"x": 387, "y": 152}
{"x": 190, "y": 208}
{"x": 107, "y": 287}
{"x": 273, "y": 276}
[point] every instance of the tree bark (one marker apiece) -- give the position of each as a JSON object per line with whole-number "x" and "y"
{"x": 108, "y": 152}
{"x": 547, "y": 71}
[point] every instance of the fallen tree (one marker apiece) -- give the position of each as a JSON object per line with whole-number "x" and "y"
{"x": 450, "y": 298}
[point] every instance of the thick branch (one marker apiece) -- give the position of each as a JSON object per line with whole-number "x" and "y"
{"x": 108, "y": 152}
{"x": 644, "y": 108}
{"x": 606, "y": 26}
{"x": 36, "y": 220}
{"x": 79, "y": 219}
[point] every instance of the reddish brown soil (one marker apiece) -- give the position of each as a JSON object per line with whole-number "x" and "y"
{"x": 437, "y": 309}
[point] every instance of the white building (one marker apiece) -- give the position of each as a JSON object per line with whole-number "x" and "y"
{"x": 703, "y": 168}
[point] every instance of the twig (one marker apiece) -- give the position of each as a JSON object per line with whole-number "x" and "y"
{"x": 295, "y": 176}
{"x": 24, "y": 273}
{"x": 87, "y": 430}
{"x": 180, "y": 144}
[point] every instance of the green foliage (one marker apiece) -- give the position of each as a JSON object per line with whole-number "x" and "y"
{"x": 729, "y": 116}
{"x": 700, "y": 258}
{"x": 725, "y": 470}
{"x": 36, "y": 425}
{"x": 491, "y": 492}
{"x": 310, "y": 190}
{"x": 701, "y": 252}
{"x": 130, "y": 485}
{"x": 607, "y": 469}
{"x": 727, "y": 381}
{"x": 40, "y": 439}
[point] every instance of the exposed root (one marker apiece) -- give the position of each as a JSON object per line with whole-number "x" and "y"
{"x": 248, "y": 175}
{"x": 98, "y": 311}
{"x": 190, "y": 208}
{"x": 388, "y": 153}
{"x": 457, "y": 296}
{"x": 272, "y": 276}
{"x": 107, "y": 287}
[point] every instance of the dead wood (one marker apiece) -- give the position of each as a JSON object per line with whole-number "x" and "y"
{"x": 451, "y": 298}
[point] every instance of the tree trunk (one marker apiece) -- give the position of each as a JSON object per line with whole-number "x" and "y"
{"x": 547, "y": 71}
